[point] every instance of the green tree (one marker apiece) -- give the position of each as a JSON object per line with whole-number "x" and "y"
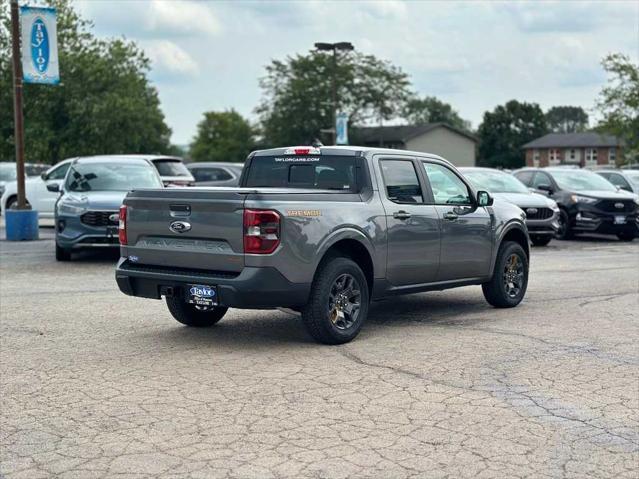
{"x": 222, "y": 136}
{"x": 104, "y": 103}
{"x": 419, "y": 111}
{"x": 297, "y": 92}
{"x": 506, "y": 129}
{"x": 618, "y": 102}
{"x": 567, "y": 119}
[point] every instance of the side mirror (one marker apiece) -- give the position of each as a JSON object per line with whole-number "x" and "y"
{"x": 547, "y": 188}
{"x": 53, "y": 187}
{"x": 484, "y": 199}
{"x": 43, "y": 175}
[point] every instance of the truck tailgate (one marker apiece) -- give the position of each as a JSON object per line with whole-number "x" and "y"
{"x": 211, "y": 236}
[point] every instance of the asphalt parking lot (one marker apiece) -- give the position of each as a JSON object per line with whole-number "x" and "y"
{"x": 97, "y": 384}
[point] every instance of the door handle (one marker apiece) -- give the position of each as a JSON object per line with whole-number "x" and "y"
{"x": 401, "y": 215}
{"x": 450, "y": 216}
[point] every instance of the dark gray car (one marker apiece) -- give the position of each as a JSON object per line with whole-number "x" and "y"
{"x": 216, "y": 173}
{"x": 541, "y": 212}
{"x": 322, "y": 231}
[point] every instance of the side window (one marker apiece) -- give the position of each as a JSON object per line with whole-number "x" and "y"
{"x": 210, "y": 174}
{"x": 400, "y": 179}
{"x": 525, "y": 177}
{"x": 448, "y": 188}
{"x": 59, "y": 173}
{"x": 618, "y": 180}
{"x": 541, "y": 179}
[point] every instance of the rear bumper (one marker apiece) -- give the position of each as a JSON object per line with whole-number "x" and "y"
{"x": 252, "y": 288}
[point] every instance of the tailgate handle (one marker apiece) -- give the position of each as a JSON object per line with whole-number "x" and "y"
{"x": 180, "y": 210}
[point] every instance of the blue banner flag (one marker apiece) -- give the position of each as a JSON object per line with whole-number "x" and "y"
{"x": 39, "y": 45}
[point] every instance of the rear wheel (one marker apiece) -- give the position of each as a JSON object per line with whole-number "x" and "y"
{"x": 338, "y": 303}
{"x": 62, "y": 254}
{"x": 565, "y": 231}
{"x": 192, "y": 315}
{"x": 540, "y": 240}
{"x": 510, "y": 278}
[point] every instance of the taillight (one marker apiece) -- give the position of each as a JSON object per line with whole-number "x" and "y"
{"x": 122, "y": 225}
{"x": 303, "y": 150}
{"x": 261, "y": 231}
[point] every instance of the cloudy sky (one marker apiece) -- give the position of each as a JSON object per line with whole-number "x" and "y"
{"x": 474, "y": 55}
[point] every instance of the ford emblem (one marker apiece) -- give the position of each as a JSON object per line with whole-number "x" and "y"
{"x": 180, "y": 226}
{"x": 114, "y": 218}
{"x": 532, "y": 211}
{"x": 40, "y": 45}
{"x": 619, "y": 205}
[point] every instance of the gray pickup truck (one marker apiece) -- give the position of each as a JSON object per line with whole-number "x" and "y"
{"x": 322, "y": 231}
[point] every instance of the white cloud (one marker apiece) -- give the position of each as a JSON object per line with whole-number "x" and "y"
{"x": 169, "y": 60}
{"x": 474, "y": 55}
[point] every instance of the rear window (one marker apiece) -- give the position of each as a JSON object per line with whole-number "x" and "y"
{"x": 318, "y": 172}
{"x": 171, "y": 168}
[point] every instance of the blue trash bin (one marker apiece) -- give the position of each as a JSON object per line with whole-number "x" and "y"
{"x": 21, "y": 225}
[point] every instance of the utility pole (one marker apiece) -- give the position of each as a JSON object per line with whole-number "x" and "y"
{"x": 345, "y": 46}
{"x": 17, "y": 104}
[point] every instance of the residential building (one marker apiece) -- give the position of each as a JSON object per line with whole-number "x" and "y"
{"x": 457, "y": 146}
{"x": 587, "y": 149}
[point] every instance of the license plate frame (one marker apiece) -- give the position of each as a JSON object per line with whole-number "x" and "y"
{"x": 620, "y": 219}
{"x": 204, "y": 295}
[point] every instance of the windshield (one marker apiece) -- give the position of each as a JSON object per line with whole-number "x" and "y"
{"x": 290, "y": 171}
{"x": 171, "y": 168}
{"x": 7, "y": 171}
{"x": 580, "y": 180}
{"x": 495, "y": 181}
{"x": 633, "y": 176}
{"x": 111, "y": 177}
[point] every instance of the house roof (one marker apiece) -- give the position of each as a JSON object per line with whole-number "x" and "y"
{"x": 401, "y": 133}
{"x": 570, "y": 140}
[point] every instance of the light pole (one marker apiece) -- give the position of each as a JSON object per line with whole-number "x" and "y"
{"x": 344, "y": 46}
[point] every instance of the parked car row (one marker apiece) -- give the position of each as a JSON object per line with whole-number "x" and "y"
{"x": 172, "y": 170}
{"x": 588, "y": 202}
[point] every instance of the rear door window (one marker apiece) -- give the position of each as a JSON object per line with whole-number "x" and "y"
{"x": 400, "y": 179}
{"x": 171, "y": 168}
{"x": 525, "y": 177}
{"x": 211, "y": 174}
{"x": 315, "y": 172}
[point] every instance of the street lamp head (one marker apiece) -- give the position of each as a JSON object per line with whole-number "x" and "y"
{"x": 344, "y": 46}
{"x": 324, "y": 46}
{"x": 347, "y": 46}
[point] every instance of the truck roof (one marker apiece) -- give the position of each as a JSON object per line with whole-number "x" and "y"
{"x": 348, "y": 150}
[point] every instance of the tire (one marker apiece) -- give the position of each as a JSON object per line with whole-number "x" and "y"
{"x": 626, "y": 235}
{"x": 11, "y": 203}
{"x": 496, "y": 291}
{"x": 565, "y": 230}
{"x": 333, "y": 315}
{"x": 540, "y": 240}
{"x": 189, "y": 315}
{"x": 62, "y": 254}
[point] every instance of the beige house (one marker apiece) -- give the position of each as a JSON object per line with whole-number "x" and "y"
{"x": 455, "y": 145}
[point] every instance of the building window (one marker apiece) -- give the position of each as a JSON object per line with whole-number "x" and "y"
{"x": 612, "y": 156}
{"x": 553, "y": 157}
{"x": 591, "y": 156}
{"x": 572, "y": 155}
{"x": 535, "y": 157}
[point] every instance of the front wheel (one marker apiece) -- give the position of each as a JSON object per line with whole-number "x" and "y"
{"x": 626, "y": 235}
{"x": 338, "y": 303}
{"x": 508, "y": 285}
{"x": 62, "y": 254}
{"x": 540, "y": 240}
{"x": 565, "y": 230}
{"x": 192, "y": 315}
